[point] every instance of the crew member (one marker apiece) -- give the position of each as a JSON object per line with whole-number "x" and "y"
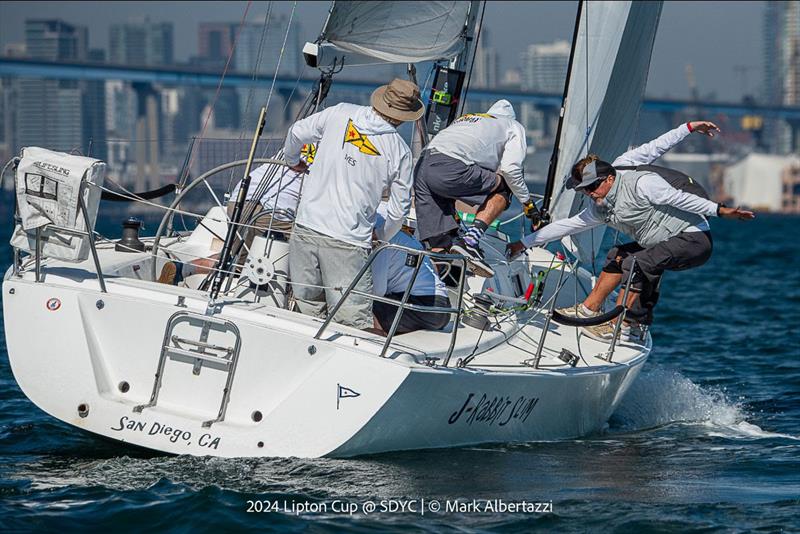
{"x": 391, "y": 275}
{"x": 274, "y": 212}
{"x": 477, "y": 160}
{"x": 669, "y": 226}
{"x": 359, "y": 155}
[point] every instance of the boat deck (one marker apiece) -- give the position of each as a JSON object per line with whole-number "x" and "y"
{"x": 509, "y": 344}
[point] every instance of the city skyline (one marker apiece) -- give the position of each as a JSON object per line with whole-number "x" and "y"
{"x": 701, "y": 26}
{"x": 143, "y": 128}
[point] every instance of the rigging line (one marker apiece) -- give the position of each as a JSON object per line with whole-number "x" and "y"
{"x": 586, "y": 46}
{"x": 216, "y": 94}
{"x": 594, "y": 246}
{"x": 554, "y": 156}
{"x": 251, "y": 90}
{"x": 265, "y": 180}
{"x": 474, "y": 53}
{"x": 280, "y": 57}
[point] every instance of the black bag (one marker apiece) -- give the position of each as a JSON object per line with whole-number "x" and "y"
{"x": 676, "y": 179}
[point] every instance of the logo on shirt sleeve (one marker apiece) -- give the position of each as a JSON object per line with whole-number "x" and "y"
{"x": 308, "y": 153}
{"x": 361, "y": 141}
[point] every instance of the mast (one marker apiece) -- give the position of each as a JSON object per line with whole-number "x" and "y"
{"x": 551, "y": 169}
{"x": 467, "y": 57}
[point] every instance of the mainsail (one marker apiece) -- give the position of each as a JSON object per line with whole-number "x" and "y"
{"x": 609, "y": 66}
{"x": 398, "y": 31}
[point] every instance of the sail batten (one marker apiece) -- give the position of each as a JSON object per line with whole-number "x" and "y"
{"x": 608, "y": 75}
{"x": 398, "y": 31}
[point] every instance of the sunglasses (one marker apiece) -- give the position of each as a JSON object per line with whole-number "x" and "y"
{"x": 591, "y": 188}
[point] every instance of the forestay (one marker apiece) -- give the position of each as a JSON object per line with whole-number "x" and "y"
{"x": 398, "y": 32}
{"x": 611, "y": 60}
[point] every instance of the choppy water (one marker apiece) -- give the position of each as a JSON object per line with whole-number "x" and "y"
{"x": 708, "y": 439}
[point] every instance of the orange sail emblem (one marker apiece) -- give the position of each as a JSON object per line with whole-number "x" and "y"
{"x": 353, "y": 136}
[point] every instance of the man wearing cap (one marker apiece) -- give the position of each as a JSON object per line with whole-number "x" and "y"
{"x": 669, "y": 225}
{"x": 477, "y": 160}
{"x": 359, "y": 155}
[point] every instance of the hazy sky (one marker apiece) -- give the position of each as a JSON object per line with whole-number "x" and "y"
{"x": 722, "y": 40}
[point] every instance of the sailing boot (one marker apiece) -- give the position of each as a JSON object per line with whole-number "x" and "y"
{"x": 579, "y": 311}
{"x": 474, "y": 257}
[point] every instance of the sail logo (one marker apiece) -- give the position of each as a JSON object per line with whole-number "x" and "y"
{"x": 344, "y": 393}
{"x": 359, "y": 140}
{"x": 53, "y": 304}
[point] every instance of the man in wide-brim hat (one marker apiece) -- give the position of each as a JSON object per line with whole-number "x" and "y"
{"x": 360, "y": 155}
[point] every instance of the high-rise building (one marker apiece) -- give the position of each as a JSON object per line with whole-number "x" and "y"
{"x": 215, "y": 42}
{"x": 258, "y": 50}
{"x": 544, "y": 67}
{"x": 544, "y": 70}
{"x": 144, "y": 43}
{"x": 50, "y": 112}
{"x": 141, "y": 43}
{"x": 262, "y": 56}
{"x": 120, "y": 103}
{"x": 781, "y": 70}
{"x": 94, "y": 112}
{"x": 485, "y": 71}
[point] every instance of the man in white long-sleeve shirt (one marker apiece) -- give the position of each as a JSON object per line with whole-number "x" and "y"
{"x": 669, "y": 225}
{"x": 477, "y": 160}
{"x": 359, "y": 155}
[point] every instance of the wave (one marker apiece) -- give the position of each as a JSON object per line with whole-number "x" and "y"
{"x": 662, "y": 396}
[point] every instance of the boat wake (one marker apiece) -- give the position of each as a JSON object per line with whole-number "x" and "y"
{"x": 663, "y": 396}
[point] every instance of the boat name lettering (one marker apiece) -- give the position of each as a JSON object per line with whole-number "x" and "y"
{"x": 154, "y": 428}
{"x": 500, "y": 409}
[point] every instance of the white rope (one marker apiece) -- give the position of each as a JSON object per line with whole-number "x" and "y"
{"x": 280, "y": 58}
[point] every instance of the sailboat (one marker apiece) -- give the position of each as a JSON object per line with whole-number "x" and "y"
{"x": 225, "y": 367}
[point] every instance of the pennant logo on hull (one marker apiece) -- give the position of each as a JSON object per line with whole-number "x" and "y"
{"x": 344, "y": 393}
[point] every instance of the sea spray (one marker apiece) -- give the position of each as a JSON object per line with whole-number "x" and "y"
{"x": 660, "y": 396}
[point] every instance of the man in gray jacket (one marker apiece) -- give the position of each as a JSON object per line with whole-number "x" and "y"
{"x": 669, "y": 226}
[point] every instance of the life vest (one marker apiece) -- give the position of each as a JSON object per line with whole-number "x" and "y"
{"x": 676, "y": 179}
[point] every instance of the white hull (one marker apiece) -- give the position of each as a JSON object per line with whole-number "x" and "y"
{"x": 339, "y": 398}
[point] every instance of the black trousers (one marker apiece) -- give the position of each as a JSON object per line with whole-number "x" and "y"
{"x": 683, "y": 251}
{"x": 412, "y": 320}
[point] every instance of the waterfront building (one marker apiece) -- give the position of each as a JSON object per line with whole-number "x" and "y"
{"x": 759, "y": 181}
{"x": 142, "y": 43}
{"x": 50, "y": 112}
{"x": 781, "y": 32}
{"x": 544, "y": 69}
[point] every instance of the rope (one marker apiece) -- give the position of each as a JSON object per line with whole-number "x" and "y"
{"x": 251, "y": 91}
{"x": 216, "y": 94}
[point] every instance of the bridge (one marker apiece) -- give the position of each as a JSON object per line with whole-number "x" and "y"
{"x": 143, "y": 78}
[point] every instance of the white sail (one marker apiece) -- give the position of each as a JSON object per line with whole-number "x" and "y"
{"x": 607, "y": 81}
{"x": 396, "y": 31}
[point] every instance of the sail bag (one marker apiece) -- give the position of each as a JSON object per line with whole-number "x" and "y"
{"x": 48, "y": 185}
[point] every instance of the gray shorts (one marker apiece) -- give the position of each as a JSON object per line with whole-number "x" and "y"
{"x": 411, "y": 320}
{"x": 439, "y": 181}
{"x": 319, "y": 260}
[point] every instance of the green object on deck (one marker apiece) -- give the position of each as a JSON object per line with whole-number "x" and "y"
{"x": 469, "y": 218}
